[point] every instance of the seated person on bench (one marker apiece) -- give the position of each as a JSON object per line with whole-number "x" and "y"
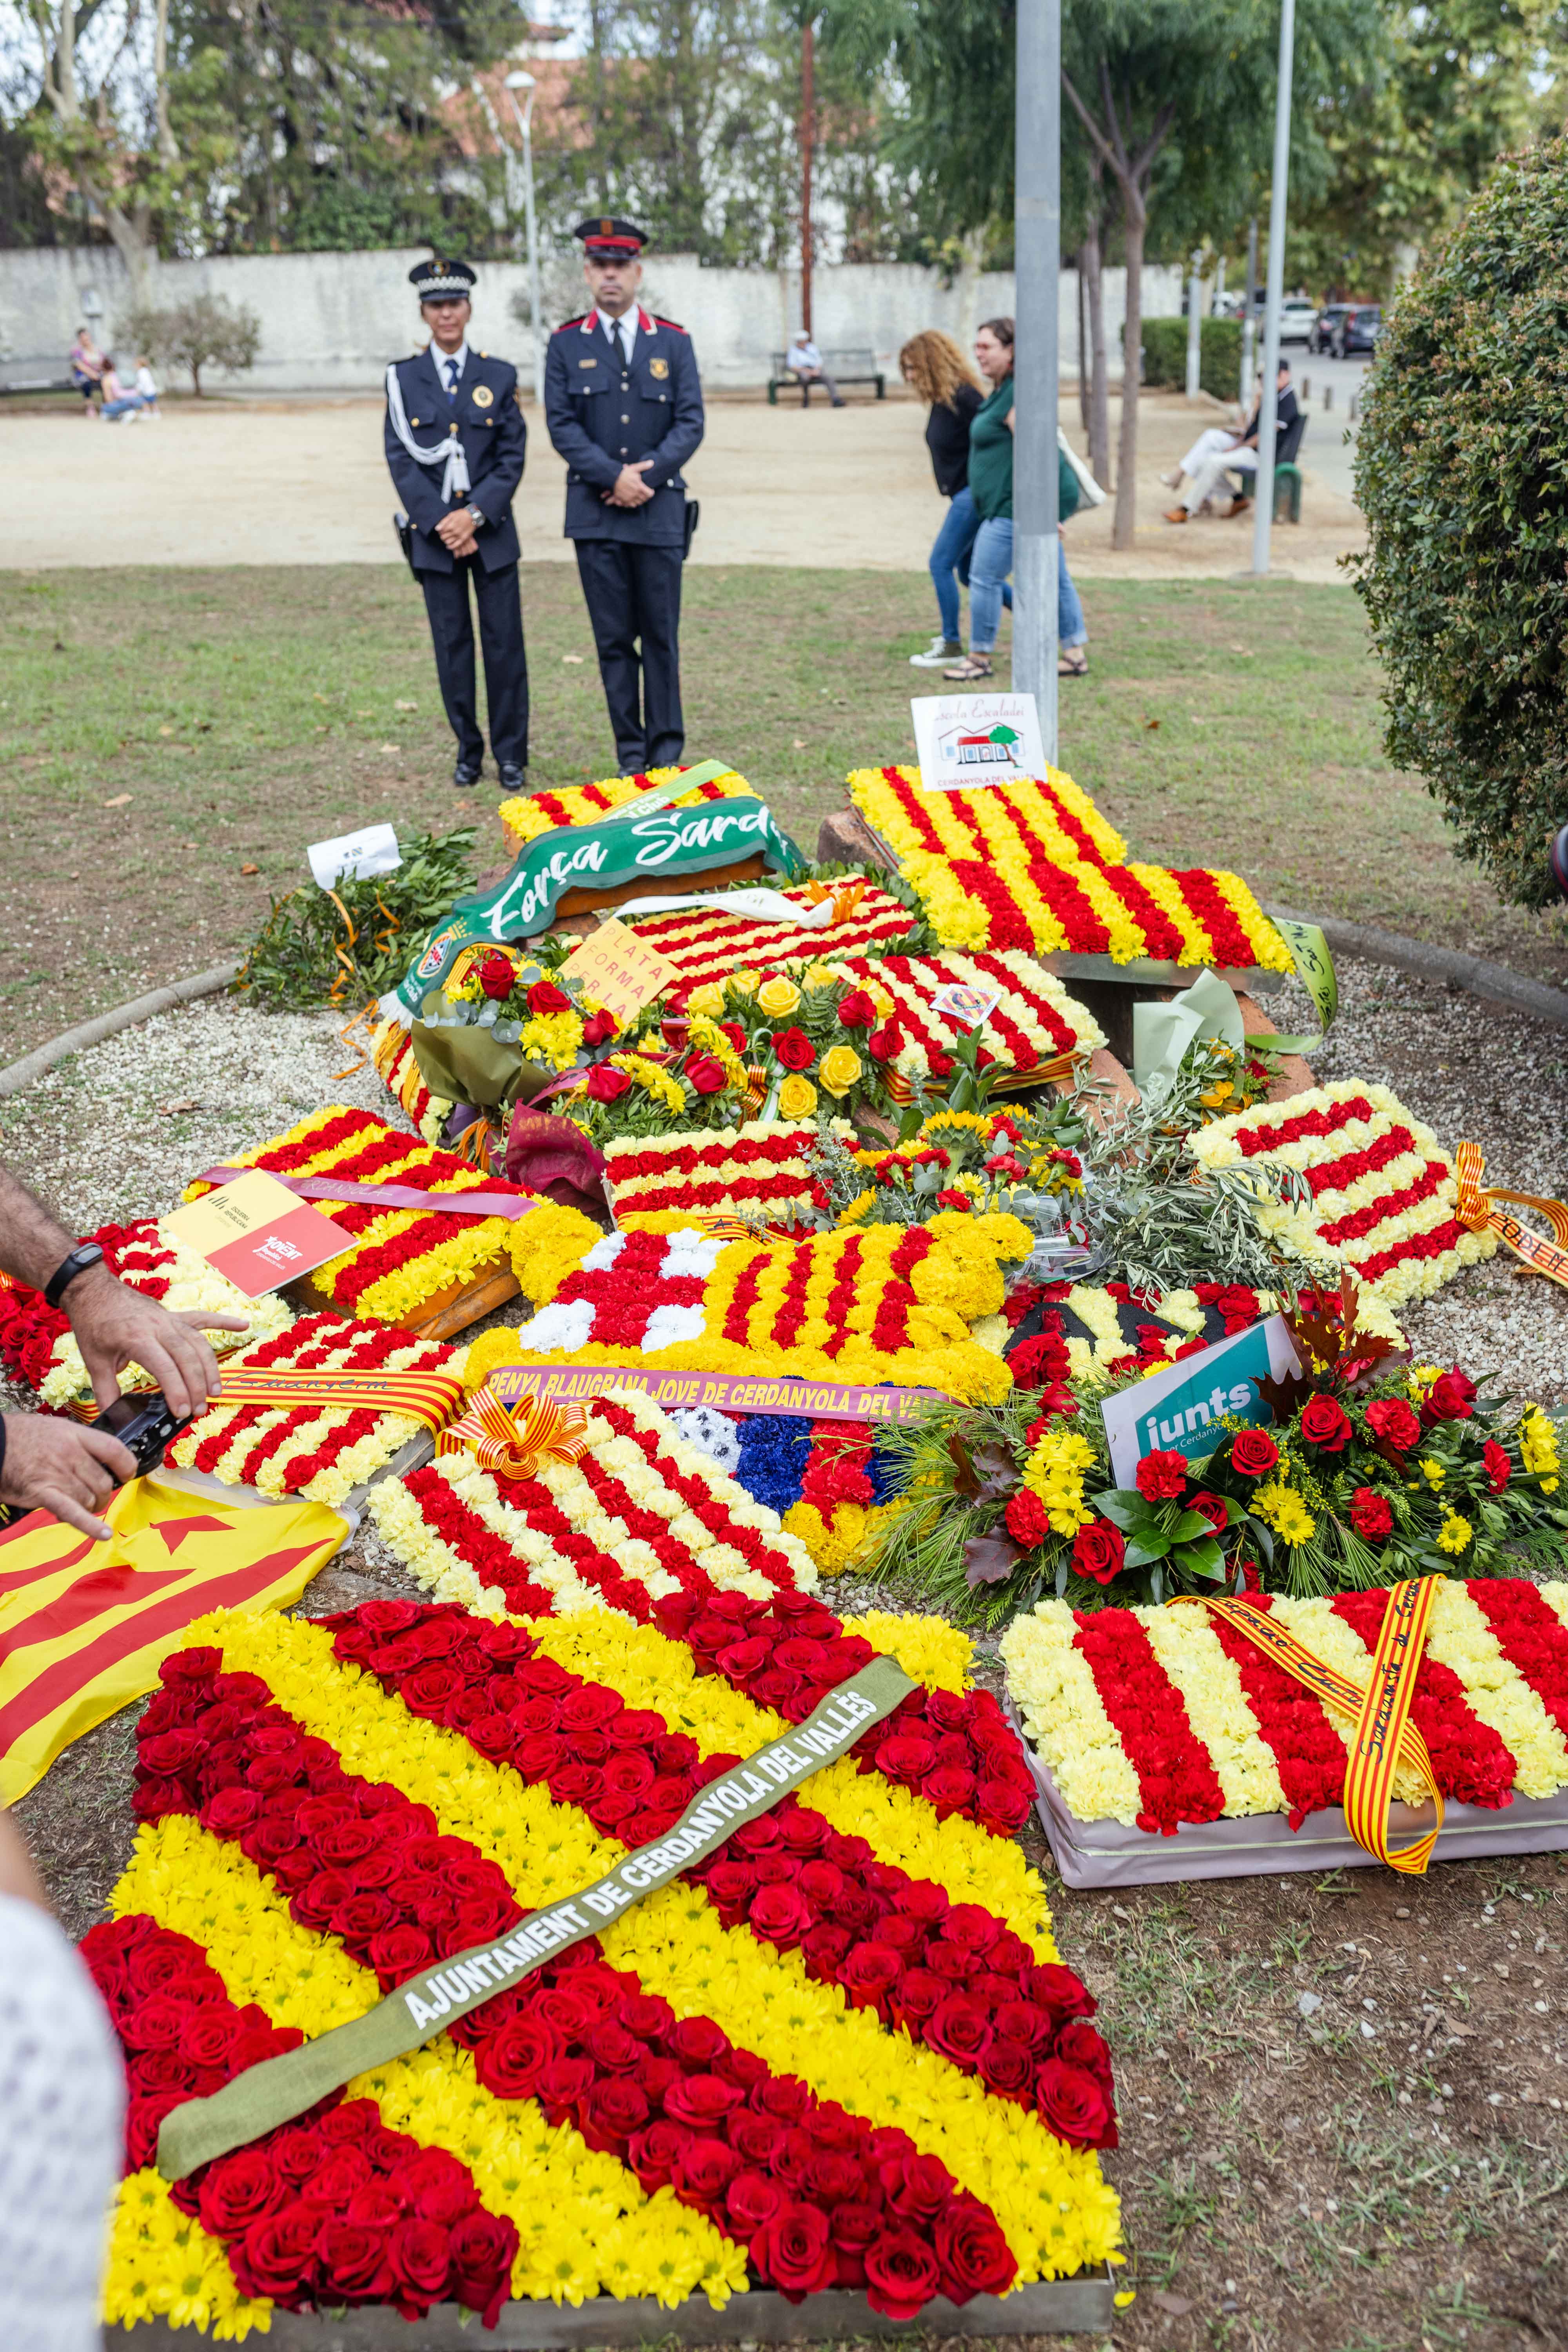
{"x": 803, "y": 361}
{"x": 1240, "y": 456}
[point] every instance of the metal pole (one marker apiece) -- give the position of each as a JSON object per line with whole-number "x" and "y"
{"x": 807, "y": 140}
{"x": 1250, "y": 318}
{"x": 1194, "y": 328}
{"x": 525, "y": 124}
{"x": 1263, "y": 513}
{"x": 1037, "y": 237}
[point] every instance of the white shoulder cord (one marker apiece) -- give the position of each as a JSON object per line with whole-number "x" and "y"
{"x": 455, "y": 482}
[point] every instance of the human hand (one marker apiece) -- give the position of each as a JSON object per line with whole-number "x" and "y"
{"x": 456, "y": 529}
{"x": 116, "y": 1326}
{"x": 63, "y": 1466}
{"x": 629, "y": 488}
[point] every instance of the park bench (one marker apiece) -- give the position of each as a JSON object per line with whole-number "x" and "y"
{"x": 1287, "y": 473}
{"x": 35, "y": 375}
{"x": 843, "y": 366}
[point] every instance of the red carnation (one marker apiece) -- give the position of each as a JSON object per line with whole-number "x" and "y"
{"x": 1372, "y": 1515}
{"x": 794, "y": 1049}
{"x": 1325, "y": 1425}
{"x": 1099, "y": 1551}
{"x": 1450, "y": 1398}
{"x": 706, "y": 1074}
{"x": 1027, "y": 1520}
{"x": 497, "y": 976}
{"x": 606, "y": 1083}
{"x": 1161, "y": 1476}
{"x": 1392, "y": 1420}
{"x": 858, "y": 1010}
{"x": 1253, "y": 1452}
{"x": 1498, "y": 1468}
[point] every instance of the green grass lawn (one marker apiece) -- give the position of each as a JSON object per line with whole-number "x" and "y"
{"x": 246, "y": 713}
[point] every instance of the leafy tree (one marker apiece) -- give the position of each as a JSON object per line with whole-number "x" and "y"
{"x": 207, "y": 331}
{"x": 1462, "y": 474}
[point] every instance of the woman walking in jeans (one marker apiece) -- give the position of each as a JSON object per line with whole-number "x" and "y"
{"x": 940, "y": 373}
{"x": 991, "y": 487}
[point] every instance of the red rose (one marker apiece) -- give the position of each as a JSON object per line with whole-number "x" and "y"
{"x": 901, "y": 2275}
{"x": 239, "y": 2189}
{"x": 885, "y": 1045}
{"x": 782, "y": 1915}
{"x": 697, "y": 2042}
{"x": 515, "y": 2058}
{"x": 1450, "y": 1398}
{"x": 1008, "y": 2067}
{"x": 1498, "y": 1468}
{"x": 1213, "y": 1508}
{"x": 751, "y": 2201}
{"x": 1070, "y": 2103}
{"x": 793, "y": 2251}
{"x": 1392, "y": 1420}
{"x": 599, "y": 1028}
{"x": 858, "y": 1010}
{"x": 1161, "y": 1476}
{"x": 544, "y": 998}
{"x": 277, "y": 2254}
{"x": 735, "y": 1034}
{"x": 1253, "y": 1452}
{"x": 1325, "y": 1425}
{"x": 605, "y": 1084}
{"x": 703, "y": 2170}
{"x": 959, "y": 2030}
{"x": 353, "y": 2260}
{"x": 702, "y": 2101}
{"x": 497, "y": 976}
{"x": 794, "y": 1049}
{"x": 483, "y": 2249}
{"x": 868, "y": 1974}
{"x": 972, "y": 2253}
{"x": 706, "y": 1073}
{"x": 421, "y": 2257}
{"x": 1098, "y": 1551}
{"x": 916, "y": 2186}
{"x": 1025, "y": 1518}
{"x": 1372, "y": 1515}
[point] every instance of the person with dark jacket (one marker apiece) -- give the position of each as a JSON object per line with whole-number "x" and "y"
{"x": 933, "y": 362}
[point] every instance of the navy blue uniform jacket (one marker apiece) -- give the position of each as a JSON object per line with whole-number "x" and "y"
{"x": 495, "y": 442}
{"x": 600, "y": 422}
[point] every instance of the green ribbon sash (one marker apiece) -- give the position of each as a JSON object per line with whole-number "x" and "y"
{"x": 277, "y": 2089}
{"x": 1314, "y": 969}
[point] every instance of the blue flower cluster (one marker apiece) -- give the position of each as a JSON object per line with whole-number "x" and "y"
{"x": 775, "y": 1449}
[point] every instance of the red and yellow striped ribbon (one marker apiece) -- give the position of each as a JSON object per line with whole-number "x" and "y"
{"x": 1475, "y": 1208}
{"x": 430, "y": 1397}
{"x": 516, "y": 1442}
{"x": 1385, "y": 1736}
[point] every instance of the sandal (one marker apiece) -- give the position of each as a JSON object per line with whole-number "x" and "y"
{"x": 972, "y": 667}
{"x": 1074, "y": 662}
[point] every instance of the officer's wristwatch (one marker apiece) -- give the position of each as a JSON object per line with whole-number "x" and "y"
{"x": 479, "y": 515}
{"x": 68, "y": 1268}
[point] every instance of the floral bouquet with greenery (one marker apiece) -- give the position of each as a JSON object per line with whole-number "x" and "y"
{"x": 1021, "y": 1162}
{"x": 500, "y": 1028}
{"x": 818, "y": 1041}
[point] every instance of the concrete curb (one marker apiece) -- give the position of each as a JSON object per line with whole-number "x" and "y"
{"x": 1474, "y": 973}
{"x": 90, "y": 1033}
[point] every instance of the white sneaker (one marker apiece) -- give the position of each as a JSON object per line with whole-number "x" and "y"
{"x": 940, "y": 651}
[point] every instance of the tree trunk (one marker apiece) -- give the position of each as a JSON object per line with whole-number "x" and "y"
{"x": 1134, "y": 216}
{"x": 1082, "y": 341}
{"x": 1099, "y": 385}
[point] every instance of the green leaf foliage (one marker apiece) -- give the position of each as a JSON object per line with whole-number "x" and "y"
{"x": 312, "y": 950}
{"x": 1219, "y": 354}
{"x": 1462, "y": 473}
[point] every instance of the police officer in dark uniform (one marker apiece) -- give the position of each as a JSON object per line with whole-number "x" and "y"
{"x": 625, "y": 409}
{"x": 455, "y": 445}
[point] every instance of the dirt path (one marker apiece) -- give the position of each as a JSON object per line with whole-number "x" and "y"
{"x": 305, "y": 482}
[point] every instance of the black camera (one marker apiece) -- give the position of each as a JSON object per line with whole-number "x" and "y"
{"x": 143, "y": 1424}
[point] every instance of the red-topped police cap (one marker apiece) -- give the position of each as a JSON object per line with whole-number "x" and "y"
{"x": 605, "y": 239}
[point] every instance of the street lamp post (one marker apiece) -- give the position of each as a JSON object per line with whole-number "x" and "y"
{"x": 514, "y": 82}
{"x": 1037, "y": 238}
{"x": 1268, "y": 406}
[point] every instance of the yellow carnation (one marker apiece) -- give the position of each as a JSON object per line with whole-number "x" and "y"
{"x": 840, "y": 1067}
{"x": 798, "y": 1097}
{"x": 778, "y": 997}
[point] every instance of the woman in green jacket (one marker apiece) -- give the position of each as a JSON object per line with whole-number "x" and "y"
{"x": 991, "y": 488}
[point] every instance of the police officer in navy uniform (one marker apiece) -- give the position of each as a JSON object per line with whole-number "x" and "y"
{"x": 455, "y": 445}
{"x": 625, "y": 409}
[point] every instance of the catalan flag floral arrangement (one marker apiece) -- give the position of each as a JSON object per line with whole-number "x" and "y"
{"x": 1034, "y": 1026}
{"x": 1036, "y": 867}
{"x": 705, "y": 947}
{"x": 886, "y": 1305}
{"x": 392, "y": 1051}
{"x": 761, "y": 1165}
{"x": 841, "y": 2052}
{"x": 37, "y": 1344}
{"x": 1153, "y": 1716}
{"x": 529, "y": 815}
{"x": 396, "y": 1260}
{"x": 1381, "y": 1192}
{"x": 320, "y": 1452}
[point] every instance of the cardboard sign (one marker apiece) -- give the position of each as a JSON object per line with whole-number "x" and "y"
{"x": 967, "y": 741}
{"x": 620, "y": 970}
{"x": 956, "y": 1000}
{"x": 1176, "y": 1411}
{"x": 808, "y": 1400}
{"x": 257, "y": 1233}
{"x": 372, "y": 850}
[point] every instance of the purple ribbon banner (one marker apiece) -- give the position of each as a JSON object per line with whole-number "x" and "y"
{"x": 387, "y": 1196}
{"x": 730, "y": 1392}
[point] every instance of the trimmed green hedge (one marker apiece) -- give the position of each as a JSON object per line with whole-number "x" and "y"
{"x": 1219, "y": 354}
{"x": 1462, "y": 474}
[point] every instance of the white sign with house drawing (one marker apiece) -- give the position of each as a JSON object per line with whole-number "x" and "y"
{"x": 965, "y": 741}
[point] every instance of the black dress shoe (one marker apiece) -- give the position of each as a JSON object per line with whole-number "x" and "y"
{"x": 514, "y": 777}
{"x": 466, "y": 772}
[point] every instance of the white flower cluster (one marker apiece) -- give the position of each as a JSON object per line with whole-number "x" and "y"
{"x": 195, "y": 1287}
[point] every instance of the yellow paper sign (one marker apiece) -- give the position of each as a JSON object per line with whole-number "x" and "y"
{"x": 258, "y": 1232}
{"x": 620, "y": 970}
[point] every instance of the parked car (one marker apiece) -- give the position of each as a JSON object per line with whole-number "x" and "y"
{"x": 1296, "y": 321}
{"x": 1321, "y": 337}
{"x": 1358, "y": 330}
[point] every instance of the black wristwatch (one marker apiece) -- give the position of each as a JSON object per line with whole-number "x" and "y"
{"x": 66, "y": 1273}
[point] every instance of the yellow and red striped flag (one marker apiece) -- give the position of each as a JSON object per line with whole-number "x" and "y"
{"x": 85, "y": 1625}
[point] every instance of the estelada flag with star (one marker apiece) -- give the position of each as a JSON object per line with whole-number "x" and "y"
{"x": 85, "y": 1625}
